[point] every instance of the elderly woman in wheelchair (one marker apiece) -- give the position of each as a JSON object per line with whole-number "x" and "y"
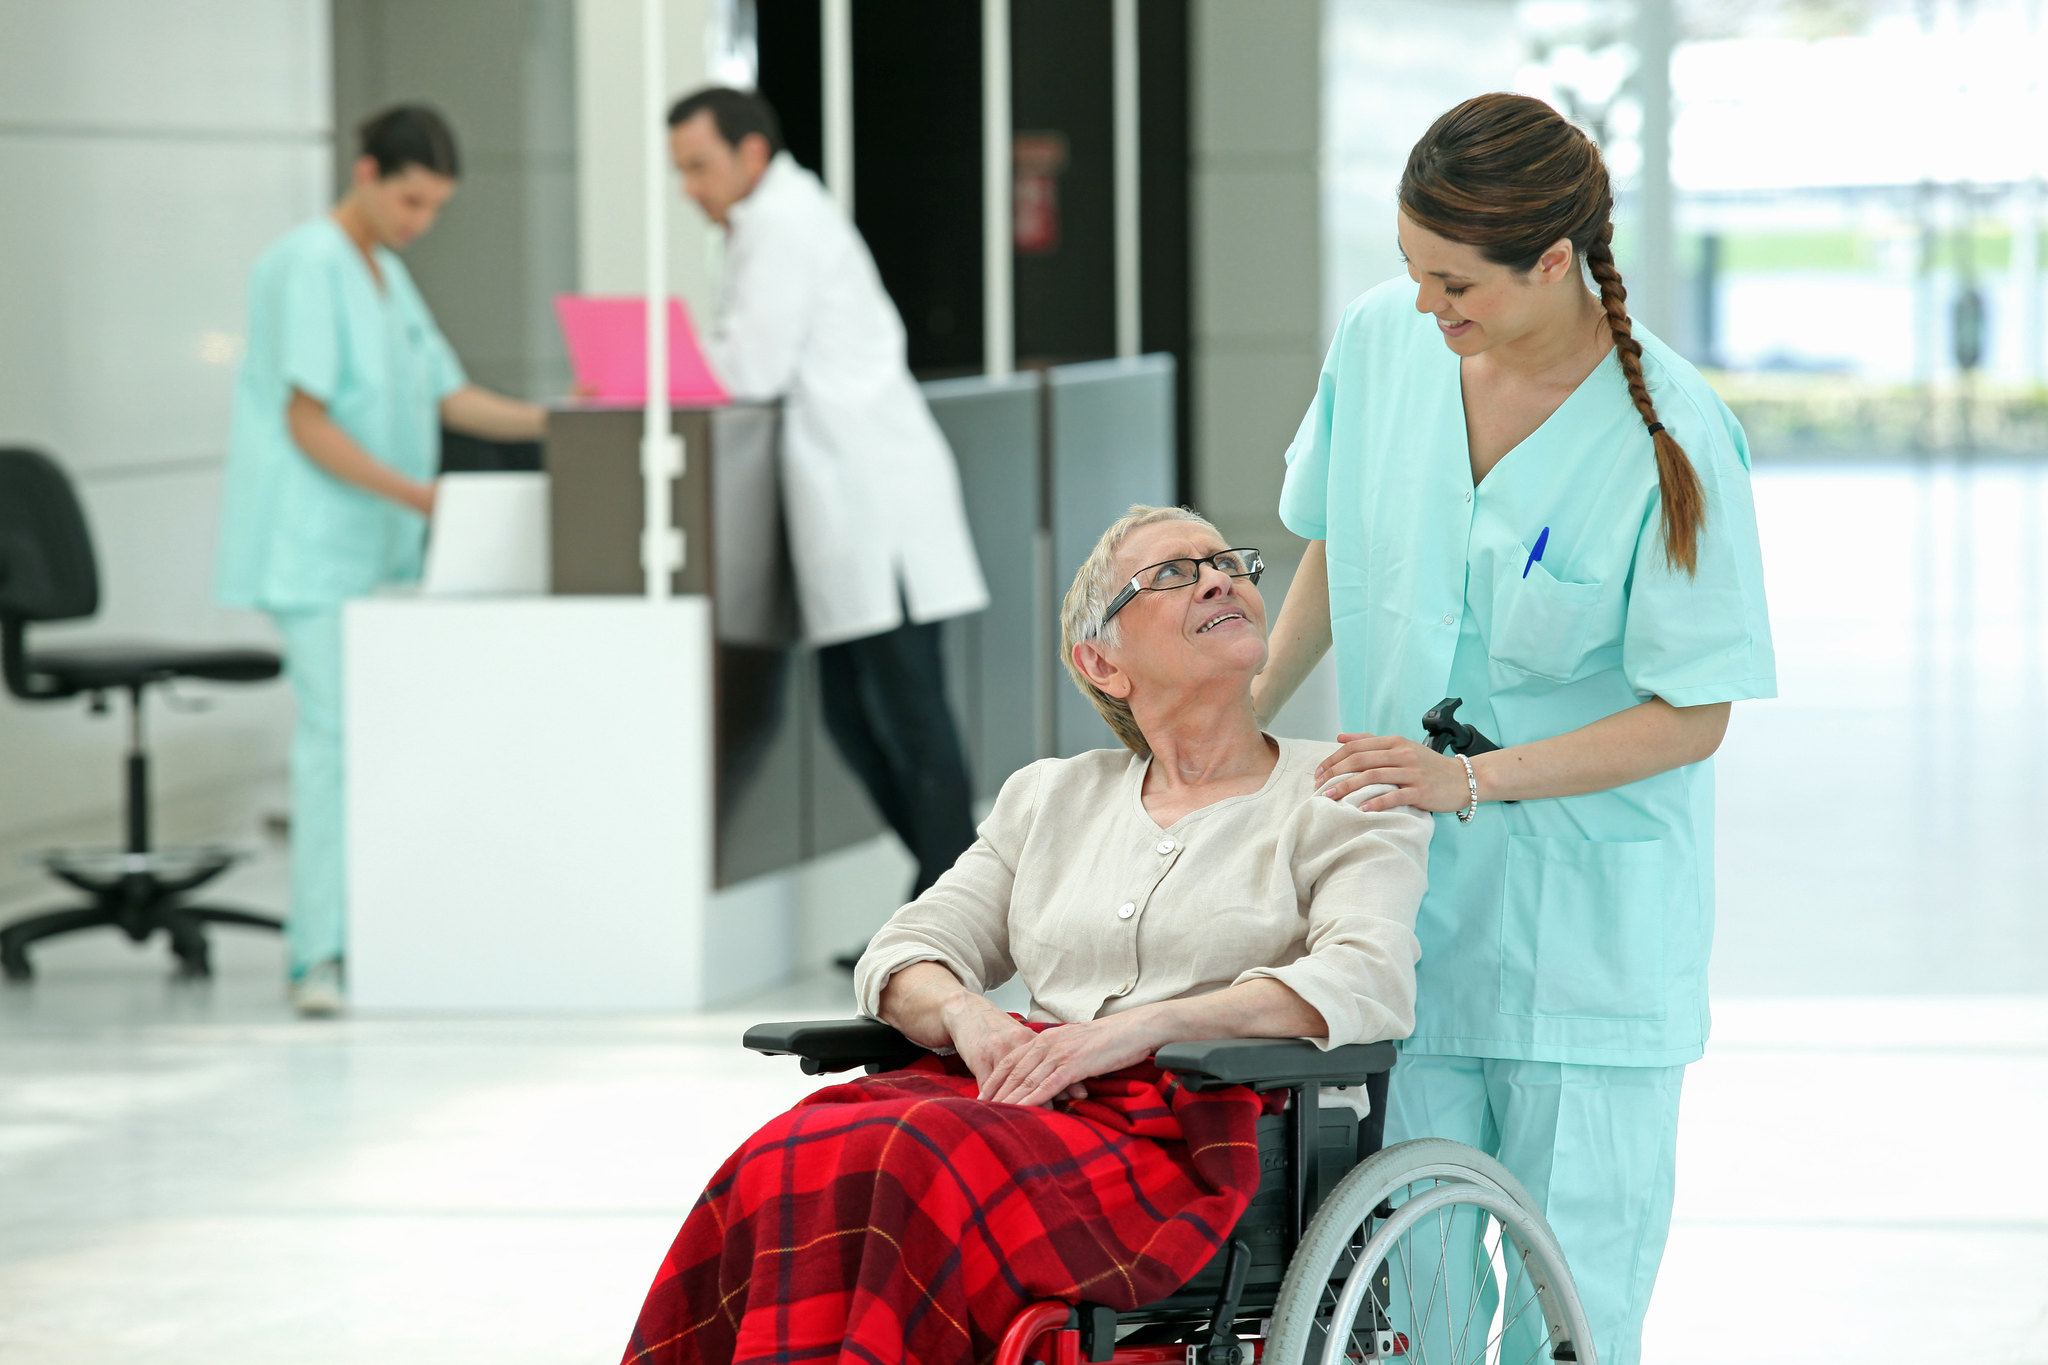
{"x": 1127, "y": 1174}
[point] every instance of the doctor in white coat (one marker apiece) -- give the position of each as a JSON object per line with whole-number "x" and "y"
{"x": 871, "y": 495}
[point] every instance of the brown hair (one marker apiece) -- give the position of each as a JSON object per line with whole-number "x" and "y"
{"x": 1508, "y": 174}
{"x": 1088, "y": 597}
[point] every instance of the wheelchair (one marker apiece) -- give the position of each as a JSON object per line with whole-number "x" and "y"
{"x": 1427, "y": 1251}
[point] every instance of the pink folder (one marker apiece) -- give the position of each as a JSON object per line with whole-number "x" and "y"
{"x": 607, "y": 340}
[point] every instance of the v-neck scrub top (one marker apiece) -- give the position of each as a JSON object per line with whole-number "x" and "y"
{"x": 1572, "y": 929}
{"x": 292, "y": 535}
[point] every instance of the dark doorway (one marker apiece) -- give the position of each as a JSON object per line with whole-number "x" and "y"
{"x": 917, "y": 169}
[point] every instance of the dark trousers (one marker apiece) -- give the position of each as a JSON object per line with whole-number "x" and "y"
{"x": 884, "y": 699}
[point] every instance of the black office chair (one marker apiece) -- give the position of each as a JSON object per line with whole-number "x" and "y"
{"x": 48, "y": 573}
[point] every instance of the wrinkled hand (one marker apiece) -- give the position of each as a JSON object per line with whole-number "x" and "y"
{"x": 1055, "y": 1063}
{"x": 984, "y": 1035}
{"x": 1423, "y": 777}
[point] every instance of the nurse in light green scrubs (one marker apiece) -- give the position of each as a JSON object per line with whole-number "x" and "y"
{"x": 1517, "y": 497}
{"x": 332, "y": 453}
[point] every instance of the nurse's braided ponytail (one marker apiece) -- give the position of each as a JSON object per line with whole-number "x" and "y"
{"x": 1509, "y": 175}
{"x": 1685, "y": 503}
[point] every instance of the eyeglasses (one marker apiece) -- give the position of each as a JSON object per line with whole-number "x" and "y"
{"x": 1169, "y": 574}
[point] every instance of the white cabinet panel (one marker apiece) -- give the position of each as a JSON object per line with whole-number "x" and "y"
{"x": 184, "y": 65}
{"x": 529, "y": 806}
{"x": 122, "y": 301}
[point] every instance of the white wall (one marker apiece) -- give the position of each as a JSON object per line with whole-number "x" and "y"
{"x": 611, "y": 127}
{"x": 150, "y": 150}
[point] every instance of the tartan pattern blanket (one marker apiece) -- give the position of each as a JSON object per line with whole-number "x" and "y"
{"x": 897, "y": 1218}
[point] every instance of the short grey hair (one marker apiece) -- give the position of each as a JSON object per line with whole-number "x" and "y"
{"x": 1087, "y": 602}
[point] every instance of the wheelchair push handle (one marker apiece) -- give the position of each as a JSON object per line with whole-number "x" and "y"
{"x": 1449, "y": 735}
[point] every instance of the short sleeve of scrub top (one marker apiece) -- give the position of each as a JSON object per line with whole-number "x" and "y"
{"x": 1571, "y": 929}
{"x": 292, "y": 535}
{"x": 1303, "y": 496}
{"x": 1694, "y": 639}
{"x": 309, "y": 331}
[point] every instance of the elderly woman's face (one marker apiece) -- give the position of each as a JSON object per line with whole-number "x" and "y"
{"x": 1216, "y": 627}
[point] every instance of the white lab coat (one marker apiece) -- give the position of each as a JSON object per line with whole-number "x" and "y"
{"x": 870, "y": 492}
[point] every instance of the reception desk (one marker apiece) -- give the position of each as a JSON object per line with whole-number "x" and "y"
{"x": 575, "y": 802}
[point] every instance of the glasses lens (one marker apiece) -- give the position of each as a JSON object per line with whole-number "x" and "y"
{"x": 1174, "y": 573}
{"x": 1238, "y": 563}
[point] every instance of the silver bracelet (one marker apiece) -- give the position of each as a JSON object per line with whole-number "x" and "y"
{"x": 1472, "y": 784}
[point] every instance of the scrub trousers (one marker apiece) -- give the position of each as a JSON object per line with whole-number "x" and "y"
{"x": 1593, "y": 1145}
{"x": 313, "y": 931}
{"x": 884, "y": 699}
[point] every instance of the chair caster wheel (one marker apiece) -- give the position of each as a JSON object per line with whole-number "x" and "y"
{"x": 194, "y": 964}
{"x": 14, "y": 963}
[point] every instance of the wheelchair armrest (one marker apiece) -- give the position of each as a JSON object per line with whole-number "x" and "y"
{"x": 824, "y": 1045}
{"x": 1272, "y": 1063}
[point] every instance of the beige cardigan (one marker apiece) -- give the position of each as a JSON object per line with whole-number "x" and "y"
{"x": 1073, "y": 886}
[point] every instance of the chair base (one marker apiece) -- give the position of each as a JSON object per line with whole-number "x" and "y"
{"x": 138, "y": 903}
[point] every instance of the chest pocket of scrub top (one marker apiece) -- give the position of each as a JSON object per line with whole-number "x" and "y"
{"x": 1541, "y": 625}
{"x": 1582, "y": 929}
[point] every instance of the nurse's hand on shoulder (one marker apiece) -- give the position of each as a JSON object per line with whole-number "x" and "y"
{"x": 1426, "y": 779}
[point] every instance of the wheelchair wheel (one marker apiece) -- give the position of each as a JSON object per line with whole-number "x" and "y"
{"x": 1429, "y": 1253}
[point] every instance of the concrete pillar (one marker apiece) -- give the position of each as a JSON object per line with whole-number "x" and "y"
{"x": 504, "y": 76}
{"x": 1256, "y": 239}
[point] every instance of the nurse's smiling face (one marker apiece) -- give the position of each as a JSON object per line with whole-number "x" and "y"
{"x": 1478, "y": 304}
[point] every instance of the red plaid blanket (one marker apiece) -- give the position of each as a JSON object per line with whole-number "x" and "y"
{"x": 898, "y": 1218}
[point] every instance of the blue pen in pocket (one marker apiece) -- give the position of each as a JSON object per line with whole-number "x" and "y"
{"x": 1542, "y": 539}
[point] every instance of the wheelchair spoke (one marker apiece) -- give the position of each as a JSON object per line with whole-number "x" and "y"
{"x": 1498, "y": 1298}
{"x": 1419, "y": 1338}
{"x": 1445, "y": 1220}
{"x": 1432, "y": 1339}
{"x": 1505, "y": 1272}
{"x": 1378, "y": 1230}
{"x": 1418, "y": 1321}
{"x": 1326, "y": 1309}
{"x": 1407, "y": 1280}
{"x": 1499, "y": 1342}
{"x": 1479, "y": 1283}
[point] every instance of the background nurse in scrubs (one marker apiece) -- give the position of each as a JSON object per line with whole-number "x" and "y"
{"x": 332, "y": 453}
{"x": 1517, "y": 497}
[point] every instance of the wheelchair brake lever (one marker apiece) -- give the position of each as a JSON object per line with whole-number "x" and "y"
{"x": 1223, "y": 1346}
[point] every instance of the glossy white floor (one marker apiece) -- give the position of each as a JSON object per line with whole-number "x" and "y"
{"x": 189, "y": 1175}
